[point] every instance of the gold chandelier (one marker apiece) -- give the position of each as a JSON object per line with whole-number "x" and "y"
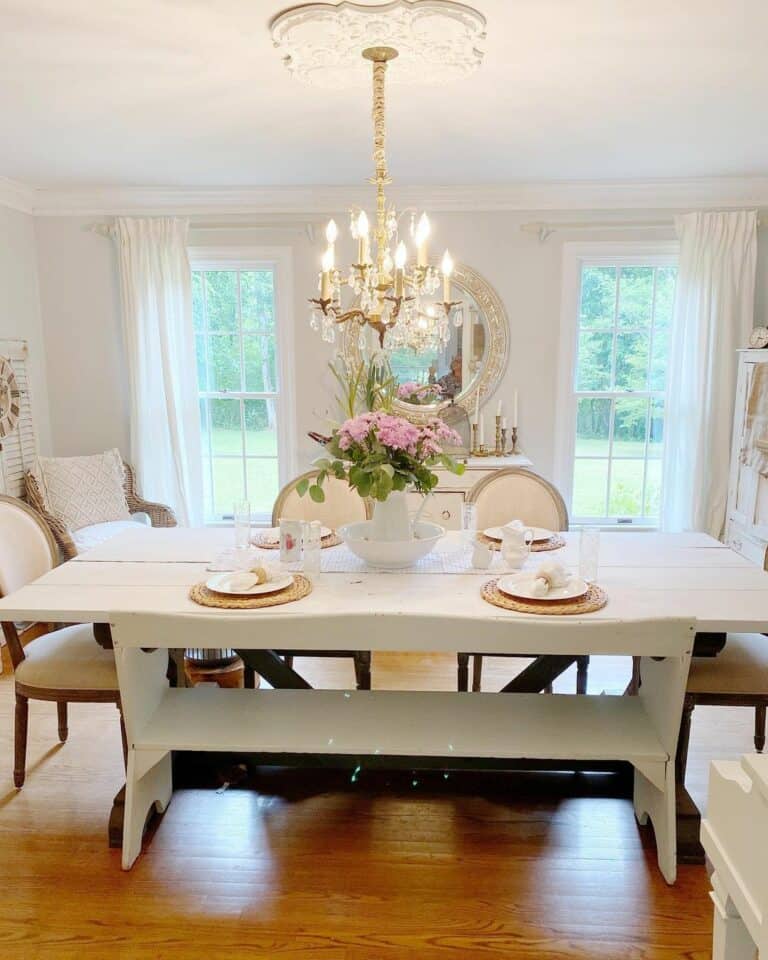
{"x": 388, "y": 294}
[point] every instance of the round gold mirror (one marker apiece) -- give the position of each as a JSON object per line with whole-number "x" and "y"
{"x": 439, "y": 375}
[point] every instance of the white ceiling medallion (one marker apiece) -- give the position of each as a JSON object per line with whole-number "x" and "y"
{"x": 437, "y": 40}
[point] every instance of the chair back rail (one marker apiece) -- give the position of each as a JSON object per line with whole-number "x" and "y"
{"x": 342, "y": 503}
{"x": 514, "y": 492}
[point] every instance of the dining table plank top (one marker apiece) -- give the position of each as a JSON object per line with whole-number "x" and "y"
{"x": 645, "y": 575}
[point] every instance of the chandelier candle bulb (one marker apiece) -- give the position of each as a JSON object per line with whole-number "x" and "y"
{"x": 422, "y": 235}
{"x": 447, "y": 268}
{"x": 331, "y": 232}
{"x": 362, "y": 238}
{"x": 325, "y": 283}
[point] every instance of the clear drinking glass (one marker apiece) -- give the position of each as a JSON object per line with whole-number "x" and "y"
{"x": 589, "y": 553}
{"x": 241, "y": 513}
{"x": 312, "y": 546}
{"x": 468, "y": 522}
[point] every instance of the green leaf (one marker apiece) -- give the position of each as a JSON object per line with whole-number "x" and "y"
{"x": 302, "y": 486}
{"x": 317, "y": 493}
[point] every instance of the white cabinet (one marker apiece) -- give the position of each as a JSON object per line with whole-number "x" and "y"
{"x": 734, "y": 835}
{"x": 747, "y": 517}
{"x": 444, "y": 506}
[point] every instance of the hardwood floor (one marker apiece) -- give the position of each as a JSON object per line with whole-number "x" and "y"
{"x": 406, "y": 866}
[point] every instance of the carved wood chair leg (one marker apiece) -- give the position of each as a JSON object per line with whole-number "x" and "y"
{"x": 288, "y": 661}
{"x": 681, "y": 760}
{"x": 249, "y": 678}
{"x": 760, "y": 727}
{"x": 549, "y": 688}
{"x": 61, "y": 709}
{"x": 463, "y": 673}
{"x": 582, "y": 671}
{"x": 477, "y": 672}
{"x": 20, "y": 741}
{"x": 362, "y": 661}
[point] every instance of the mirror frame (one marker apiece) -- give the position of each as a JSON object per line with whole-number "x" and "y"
{"x": 486, "y": 382}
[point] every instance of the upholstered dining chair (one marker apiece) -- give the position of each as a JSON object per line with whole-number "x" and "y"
{"x": 341, "y": 505}
{"x": 65, "y": 665}
{"x": 524, "y": 495}
{"x": 736, "y": 677}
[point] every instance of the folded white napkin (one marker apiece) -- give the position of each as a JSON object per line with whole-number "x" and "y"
{"x": 514, "y": 526}
{"x": 549, "y": 576}
{"x": 247, "y": 579}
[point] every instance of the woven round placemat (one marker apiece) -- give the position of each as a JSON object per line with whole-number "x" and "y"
{"x": 594, "y": 599}
{"x": 300, "y": 587}
{"x": 555, "y": 542}
{"x": 332, "y": 540}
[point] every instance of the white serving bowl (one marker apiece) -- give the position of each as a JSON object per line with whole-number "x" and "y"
{"x": 390, "y": 554}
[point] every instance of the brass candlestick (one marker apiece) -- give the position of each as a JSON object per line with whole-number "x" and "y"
{"x": 499, "y": 448}
{"x": 513, "y": 438}
{"x": 473, "y": 445}
{"x": 504, "y": 451}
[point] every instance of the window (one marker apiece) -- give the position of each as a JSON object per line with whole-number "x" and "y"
{"x": 620, "y": 314}
{"x": 245, "y": 410}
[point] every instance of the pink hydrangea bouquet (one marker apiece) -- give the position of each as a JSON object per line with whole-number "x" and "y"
{"x": 378, "y": 452}
{"x": 413, "y": 392}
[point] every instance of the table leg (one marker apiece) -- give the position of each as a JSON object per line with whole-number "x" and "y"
{"x": 539, "y": 674}
{"x": 273, "y": 669}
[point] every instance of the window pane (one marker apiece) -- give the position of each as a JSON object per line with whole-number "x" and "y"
{"x": 632, "y": 361}
{"x": 260, "y": 366}
{"x": 594, "y": 363}
{"x": 665, "y": 295}
{"x": 635, "y": 296}
{"x": 659, "y": 357}
{"x": 593, "y": 422}
{"x": 257, "y": 299}
{"x": 598, "y": 296}
{"x": 205, "y": 426}
{"x": 260, "y": 428}
{"x": 653, "y": 489}
{"x": 224, "y": 363}
{"x": 629, "y": 427}
{"x": 208, "y": 490}
{"x": 202, "y": 373}
{"x": 221, "y": 299}
{"x": 590, "y": 478}
{"x": 626, "y": 499}
{"x": 263, "y": 486}
{"x": 226, "y": 436}
{"x": 198, "y": 309}
{"x": 228, "y": 486}
{"x": 656, "y": 435}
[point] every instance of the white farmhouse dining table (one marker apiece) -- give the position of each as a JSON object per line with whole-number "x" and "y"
{"x": 142, "y": 578}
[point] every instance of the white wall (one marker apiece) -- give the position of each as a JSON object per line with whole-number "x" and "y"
{"x": 80, "y": 306}
{"x": 20, "y": 307}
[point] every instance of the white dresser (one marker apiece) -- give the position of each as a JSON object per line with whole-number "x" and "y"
{"x": 747, "y": 516}
{"x": 734, "y": 835}
{"x": 451, "y": 492}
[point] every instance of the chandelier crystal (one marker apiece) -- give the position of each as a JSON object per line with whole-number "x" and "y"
{"x": 407, "y": 304}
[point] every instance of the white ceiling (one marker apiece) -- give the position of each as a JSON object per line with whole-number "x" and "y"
{"x": 192, "y": 93}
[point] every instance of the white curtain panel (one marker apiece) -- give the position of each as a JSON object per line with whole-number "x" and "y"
{"x": 156, "y": 293}
{"x": 714, "y": 311}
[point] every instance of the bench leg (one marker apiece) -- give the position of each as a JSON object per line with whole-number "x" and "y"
{"x": 463, "y": 672}
{"x": 730, "y": 938}
{"x": 658, "y": 804}
{"x": 148, "y": 785}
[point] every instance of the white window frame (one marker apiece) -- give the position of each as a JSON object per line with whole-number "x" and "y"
{"x": 576, "y": 256}
{"x": 280, "y": 261}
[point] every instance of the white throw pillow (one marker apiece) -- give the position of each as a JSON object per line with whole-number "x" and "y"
{"x": 81, "y": 491}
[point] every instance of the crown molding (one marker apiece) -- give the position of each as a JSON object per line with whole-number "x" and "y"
{"x": 17, "y": 196}
{"x": 678, "y": 194}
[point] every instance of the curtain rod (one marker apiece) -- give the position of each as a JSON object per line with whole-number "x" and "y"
{"x": 544, "y": 229}
{"x": 304, "y": 227}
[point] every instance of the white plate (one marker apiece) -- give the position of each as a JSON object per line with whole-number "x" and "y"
{"x": 539, "y": 533}
{"x": 272, "y": 535}
{"x": 520, "y": 586}
{"x": 217, "y": 584}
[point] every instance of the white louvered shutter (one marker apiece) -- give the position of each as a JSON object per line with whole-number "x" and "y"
{"x": 20, "y": 448}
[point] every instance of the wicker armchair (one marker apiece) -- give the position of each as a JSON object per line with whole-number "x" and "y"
{"x": 159, "y": 514}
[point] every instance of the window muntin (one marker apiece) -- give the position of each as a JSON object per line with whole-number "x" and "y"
{"x": 619, "y": 377}
{"x": 238, "y": 374}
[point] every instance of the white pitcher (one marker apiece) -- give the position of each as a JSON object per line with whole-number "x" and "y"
{"x": 516, "y": 543}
